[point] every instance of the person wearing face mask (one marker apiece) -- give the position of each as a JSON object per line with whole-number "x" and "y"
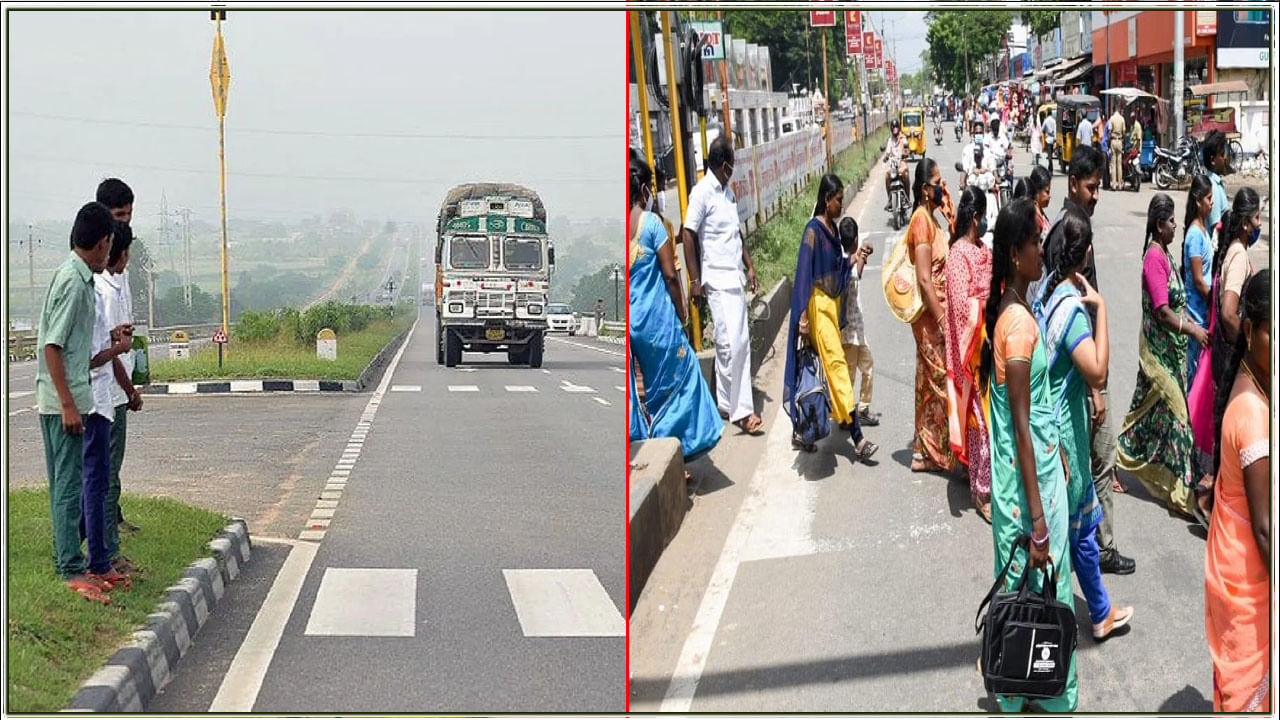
{"x": 1039, "y": 181}
{"x": 1155, "y": 445}
{"x": 968, "y": 285}
{"x": 927, "y": 242}
{"x": 1084, "y": 183}
{"x": 1241, "y": 227}
{"x": 677, "y": 402}
{"x": 979, "y": 164}
{"x": 716, "y": 257}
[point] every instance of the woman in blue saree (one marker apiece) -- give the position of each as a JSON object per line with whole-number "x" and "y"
{"x": 822, "y": 276}
{"x": 677, "y": 402}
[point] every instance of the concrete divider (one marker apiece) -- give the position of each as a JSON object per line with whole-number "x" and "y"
{"x": 767, "y": 319}
{"x": 657, "y": 501}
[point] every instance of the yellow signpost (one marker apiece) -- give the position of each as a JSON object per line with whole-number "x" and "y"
{"x": 220, "y": 80}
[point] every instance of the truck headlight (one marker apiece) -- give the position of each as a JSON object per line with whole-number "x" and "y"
{"x": 455, "y": 308}
{"x": 535, "y": 309}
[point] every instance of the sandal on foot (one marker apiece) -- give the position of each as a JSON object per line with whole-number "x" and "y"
{"x": 1117, "y": 486}
{"x": 868, "y": 418}
{"x": 751, "y": 428}
{"x": 89, "y": 590}
{"x": 799, "y": 444}
{"x": 865, "y": 450}
{"x": 116, "y": 579}
{"x": 983, "y": 507}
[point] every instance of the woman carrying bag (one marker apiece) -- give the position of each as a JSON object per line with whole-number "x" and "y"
{"x": 821, "y": 278}
{"x": 1028, "y": 486}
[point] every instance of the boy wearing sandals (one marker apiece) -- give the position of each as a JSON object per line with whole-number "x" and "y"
{"x": 853, "y": 335}
{"x": 64, "y": 396}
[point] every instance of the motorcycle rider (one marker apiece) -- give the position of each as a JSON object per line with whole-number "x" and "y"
{"x": 894, "y": 152}
{"x": 980, "y": 172}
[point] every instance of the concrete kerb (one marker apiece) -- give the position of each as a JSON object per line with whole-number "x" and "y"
{"x": 658, "y": 502}
{"x": 370, "y": 375}
{"x": 776, "y": 308}
{"x": 141, "y": 668}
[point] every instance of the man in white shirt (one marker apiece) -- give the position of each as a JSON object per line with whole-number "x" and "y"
{"x": 110, "y": 288}
{"x": 1084, "y": 132}
{"x": 110, "y": 340}
{"x": 1050, "y": 129}
{"x": 978, "y": 162}
{"x": 118, "y": 197}
{"x": 716, "y": 257}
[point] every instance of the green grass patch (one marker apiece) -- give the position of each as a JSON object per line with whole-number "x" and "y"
{"x": 775, "y": 245}
{"x": 56, "y": 638}
{"x": 282, "y": 358}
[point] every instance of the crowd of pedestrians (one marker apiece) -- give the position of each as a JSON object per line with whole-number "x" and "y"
{"x": 84, "y": 393}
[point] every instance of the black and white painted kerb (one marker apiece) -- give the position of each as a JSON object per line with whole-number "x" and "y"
{"x": 222, "y": 387}
{"x": 144, "y": 665}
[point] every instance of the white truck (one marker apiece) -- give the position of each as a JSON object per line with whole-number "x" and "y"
{"x": 493, "y": 273}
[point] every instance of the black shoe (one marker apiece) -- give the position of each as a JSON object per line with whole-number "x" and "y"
{"x": 1117, "y": 564}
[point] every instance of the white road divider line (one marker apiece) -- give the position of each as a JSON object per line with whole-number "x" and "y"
{"x": 463, "y": 388}
{"x": 601, "y": 400}
{"x": 406, "y": 388}
{"x": 243, "y": 681}
{"x": 586, "y": 347}
{"x": 521, "y": 389}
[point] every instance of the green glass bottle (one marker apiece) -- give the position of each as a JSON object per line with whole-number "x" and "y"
{"x": 141, "y": 361}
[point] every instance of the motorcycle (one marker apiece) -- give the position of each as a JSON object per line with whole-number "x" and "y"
{"x": 989, "y": 187}
{"x": 899, "y": 203}
{"x": 958, "y": 129}
{"x": 937, "y": 133}
{"x": 1132, "y": 170}
{"x": 1173, "y": 167}
{"x": 1004, "y": 179}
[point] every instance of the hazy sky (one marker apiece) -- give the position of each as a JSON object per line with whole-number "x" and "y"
{"x": 126, "y": 92}
{"x": 908, "y": 30}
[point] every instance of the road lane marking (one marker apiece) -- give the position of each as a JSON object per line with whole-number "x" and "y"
{"x": 21, "y": 394}
{"x": 19, "y": 412}
{"x": 569, "y": 387}
{"x": 243, "y": 681}
{"x": 463, "y": 388}
{"x": 601, "y": 400}
{"x": 406, "y": 388}
{"x": 617, "y": 369}
{"x": 620, "y": 388}
{"x": 365, "y": 602}
{"x": 586, "y": 347}
{"x": 697, "y": 644}
{"x": 521, "y": 389}
{"x": 563, "y": 603}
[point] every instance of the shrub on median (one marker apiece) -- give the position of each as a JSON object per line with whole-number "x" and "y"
{"x": 301, "y": 327}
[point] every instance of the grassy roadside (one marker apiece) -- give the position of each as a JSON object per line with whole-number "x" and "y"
{"x": 280, "y": 358}
{"x": 56, "y": 639}
{"x": 775, "y": 245}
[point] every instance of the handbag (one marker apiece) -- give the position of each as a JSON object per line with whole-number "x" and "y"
{"x": 811, "y": 411}
{"x": 901, "y": 289}
{"x": 1027, "y": 638}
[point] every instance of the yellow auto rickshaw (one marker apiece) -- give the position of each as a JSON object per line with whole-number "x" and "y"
{"x": 912, "y": 120}
{"x": 1070, "y": 109}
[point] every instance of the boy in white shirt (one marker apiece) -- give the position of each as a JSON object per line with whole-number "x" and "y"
{"x": 111, "y": 290}
{"x": 853, "y": 334}
{"x": 110, "y": 341}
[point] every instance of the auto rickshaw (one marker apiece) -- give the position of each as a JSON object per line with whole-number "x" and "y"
{"x": 1070, "y": 109}
{"x": 913, "y": 128}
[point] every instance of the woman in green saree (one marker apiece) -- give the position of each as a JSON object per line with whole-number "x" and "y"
{"x": 1028, "y": 485}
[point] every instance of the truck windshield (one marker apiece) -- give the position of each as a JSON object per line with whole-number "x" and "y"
{"x": 469, "y": 253}
{"x": 522, "y": 253}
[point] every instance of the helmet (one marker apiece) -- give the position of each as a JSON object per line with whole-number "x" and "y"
{"x": 893, "y": 126}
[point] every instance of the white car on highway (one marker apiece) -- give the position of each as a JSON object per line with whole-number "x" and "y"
{"x": 561, "y": 318}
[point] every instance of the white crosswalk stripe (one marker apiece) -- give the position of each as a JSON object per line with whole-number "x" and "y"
{"x": 365, "y": 602}
{"x": 563, "y": 603}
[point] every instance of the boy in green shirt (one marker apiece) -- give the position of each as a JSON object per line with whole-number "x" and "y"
{"x": 63, "y": 394}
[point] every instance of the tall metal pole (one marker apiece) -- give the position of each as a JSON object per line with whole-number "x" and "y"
{"x": 1106, "y": 76}
{"x": 31, "y": 273}
{"x": 826, "y": 89}
{"x": 222, "y": 79}
{"x": 1179, "y": 77}
{"x": 677, "y": 136}
{"x": 642, "y": 89}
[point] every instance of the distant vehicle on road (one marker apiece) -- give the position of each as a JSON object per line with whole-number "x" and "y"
{"x": 493, "y": 273}
{"x": 561, "y": 318}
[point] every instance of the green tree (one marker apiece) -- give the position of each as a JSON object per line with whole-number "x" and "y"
{"x": 601, "y": 285}
{"x": 960, "y": 39}
{"x": 1041, "y": 21}
{"x": 795, "y": 49}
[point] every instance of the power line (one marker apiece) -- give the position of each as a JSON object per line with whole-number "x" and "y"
{"x": 341, "y": 178}
{"x": 321, "y": 133}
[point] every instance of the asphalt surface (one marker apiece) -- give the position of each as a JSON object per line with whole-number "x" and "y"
{"x": 817, "y": 584}
{"x": 451, "y": 489}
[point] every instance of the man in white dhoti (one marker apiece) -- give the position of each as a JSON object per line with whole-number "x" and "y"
{"x": 717, "y": 258}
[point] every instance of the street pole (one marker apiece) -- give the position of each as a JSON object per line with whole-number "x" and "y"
{"x": 826, "y": 89}
{"x": 642, "y": 91}
{"x": 677, "y": 137}
{"x": 220, "y": 77}
{"x": 31, "y": 274}
{"x": 1179, "y": 77}
{"x": 1106, "y": 75}
{"x": 616, "y": 271}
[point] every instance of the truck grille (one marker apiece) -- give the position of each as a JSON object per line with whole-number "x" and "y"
{"x": 494, "y": 304}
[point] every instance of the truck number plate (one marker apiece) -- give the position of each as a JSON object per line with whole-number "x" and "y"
{"x": 494, "y": 334}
